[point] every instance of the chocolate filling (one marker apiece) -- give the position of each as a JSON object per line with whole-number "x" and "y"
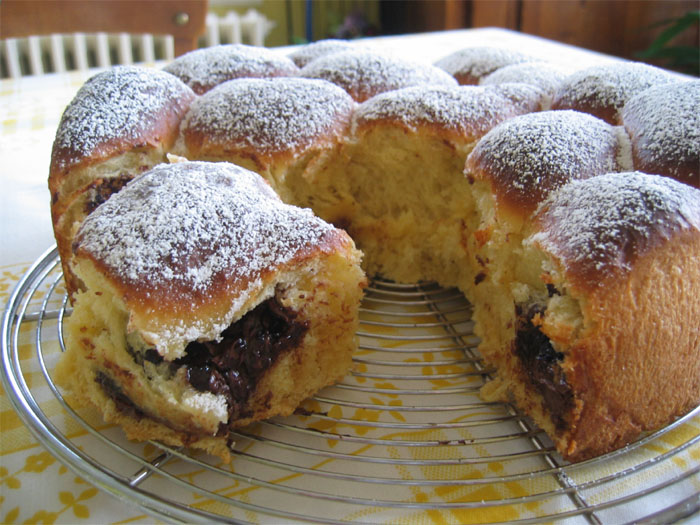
{"x": 552, "y": 290}
{"x": 230, "y": 367}
{"x": 233, "y": 366}
{"x": 102, "y": 191}
{"x": 541, "y": 364}
{"x": 124, "y": 404}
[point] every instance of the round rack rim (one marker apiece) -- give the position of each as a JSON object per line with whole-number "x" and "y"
{"x": 282, "y": 435}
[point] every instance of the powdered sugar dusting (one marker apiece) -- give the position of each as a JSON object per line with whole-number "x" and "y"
{"x": 180, "y": 226}
{"x": 364, "y": 74}
{"x": 123, "y": 103}
{"x": 477, "y": 62}
{"x": 624, "y": 153}
{"x": 270, "y": 115}
{"x": 527, "y": 98}
{"x": 529, "y": 156}
{"x": 600, "y": 226}
{"x": 664, "y": 123}
{"x": 468, "y": 110}
{"x": 548, "y": 77}
{"x": 181, "y": 233}
{"x": 310, "y": 52}
{"x": 203, "y": 69}
{"x": 608, "y": 86}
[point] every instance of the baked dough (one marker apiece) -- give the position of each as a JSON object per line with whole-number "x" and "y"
{"x": 580, "y": 268}
{"x": 208, "y": 304}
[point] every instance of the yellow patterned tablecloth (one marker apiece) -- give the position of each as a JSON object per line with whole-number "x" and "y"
{"x": 36, "y": 488}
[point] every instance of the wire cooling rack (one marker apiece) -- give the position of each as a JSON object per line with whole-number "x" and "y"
{"x": 404, "y": 438}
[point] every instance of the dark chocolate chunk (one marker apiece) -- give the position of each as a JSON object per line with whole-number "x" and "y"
{"x": 121, "y": 400}
{"x": 152, "y": 356}
{"x": 232, "y": 366}
{"x": 552, "y": 290}
{"x": 103, "y": 189}
{"x": 541, "y": 364}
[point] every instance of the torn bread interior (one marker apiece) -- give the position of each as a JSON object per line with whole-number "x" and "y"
{"x": 209, "y": 304}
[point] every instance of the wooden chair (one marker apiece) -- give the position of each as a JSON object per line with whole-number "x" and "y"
{"x": 183, "y": 19}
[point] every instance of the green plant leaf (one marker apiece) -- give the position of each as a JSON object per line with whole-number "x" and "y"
{"x": 678, "y": 26}
{"x": 684, "y": 57}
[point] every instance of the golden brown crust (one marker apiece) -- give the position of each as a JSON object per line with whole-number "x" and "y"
{"x": 120, "y": 110}
{"x": 664, "y": 126}
{"x": 526, "y": 158}
{"x": 263, "y": 120}
{"x": 203, "y": 69}
{"x": 637, "y": 365}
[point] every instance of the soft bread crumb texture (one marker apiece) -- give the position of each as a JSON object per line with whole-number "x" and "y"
{"x": 391, "y": 171}
{"x": 317, "y": 276}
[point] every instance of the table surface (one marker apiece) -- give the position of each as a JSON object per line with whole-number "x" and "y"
{"x": 33, "y": 485}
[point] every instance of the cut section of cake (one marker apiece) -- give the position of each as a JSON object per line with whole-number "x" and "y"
{"x": 208, "y": 304}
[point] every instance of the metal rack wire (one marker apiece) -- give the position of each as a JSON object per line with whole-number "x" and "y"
{"x": 404, "y": 437}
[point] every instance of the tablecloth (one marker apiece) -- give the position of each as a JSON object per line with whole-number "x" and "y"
{"x": 34, "y": 486}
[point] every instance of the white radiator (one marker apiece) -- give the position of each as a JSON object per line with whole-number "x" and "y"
{"x": 58, "y": 53}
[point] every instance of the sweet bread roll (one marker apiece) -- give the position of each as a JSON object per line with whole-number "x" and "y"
{"x": 310, "y": 52}
{"x": 527, "y": 157}
{"x": 664, "y": 125}
{"x": 543, "y": 75}
{"x": 204, "y": 69}
{"x": 364, "y": 74}
{"x": 603, "y": 90}
{"x": 273, "y": 126}
{"x": 601, "y": 349}
{"x": 411, "y": 231}
{"x": 208, "y": 304}
{"x": 470, "y": 65}
{"x": 513, "y": 169}
{"x": 121, "y": 123}
{"x": 470, "y": 186}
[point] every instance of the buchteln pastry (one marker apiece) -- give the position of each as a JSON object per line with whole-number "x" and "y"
{"x": 310, "y": 52}
{"x": 472, "y": 64}
{"x": 193, "y": 323}
{"x": 543, "y": 75}
{"x": 540, "y": 216}
{"x": 663, "y": 124}
{"x": 121, "y": 123}
{"x": 598, "y": 280}
{"x": 603, "y": 90}
{"x": 364, "y": 74}
{"x": 206, "y": 68}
